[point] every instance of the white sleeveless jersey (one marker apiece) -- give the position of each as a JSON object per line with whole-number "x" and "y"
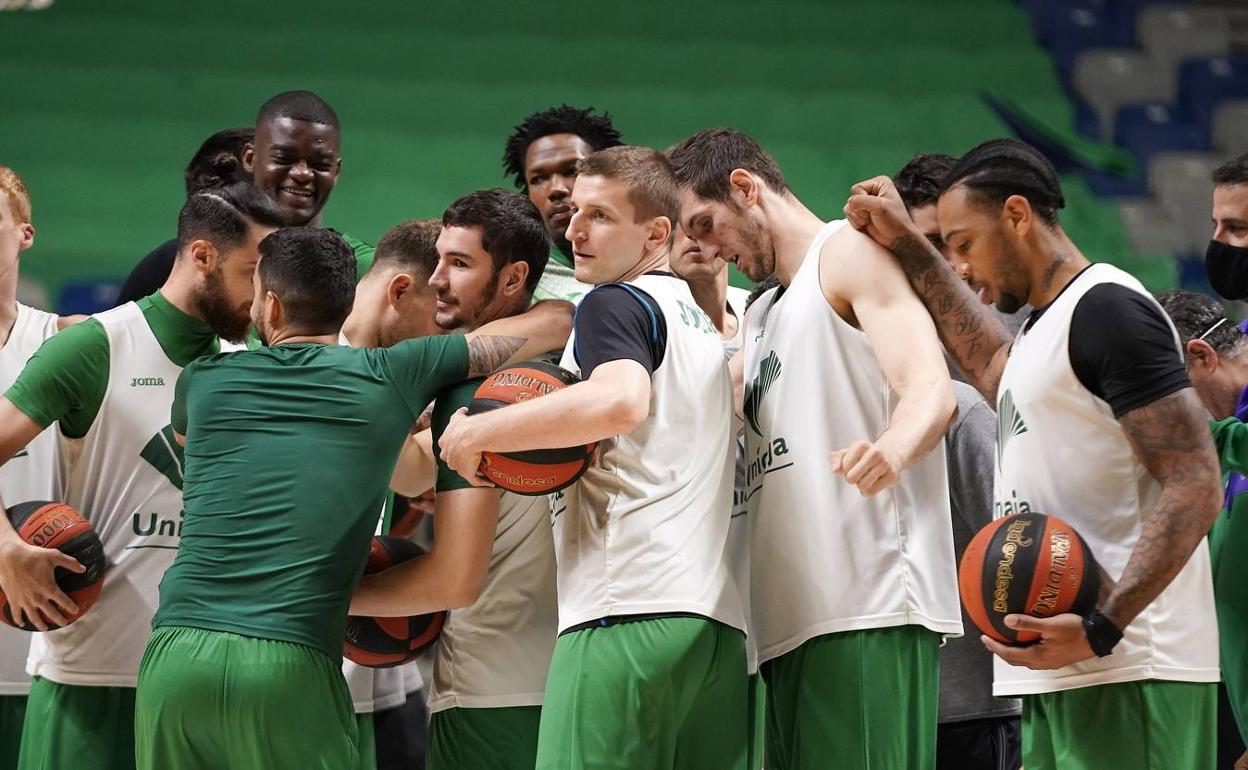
{"x": 125, "y": 477}
{"x": 34, "y": 473}
{"x": 825, "y": 559}
{"x": 496, "y": 652}
{"x": 645, "y": 529}
{"x": 1060, "y": 451}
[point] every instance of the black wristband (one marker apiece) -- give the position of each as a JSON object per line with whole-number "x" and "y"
{"x": 1102, "y": 634}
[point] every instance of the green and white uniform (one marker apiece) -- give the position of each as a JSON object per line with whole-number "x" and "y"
{"x": 109, "y": 383}
{"x": 558, "y": 280}
{"x": 490, "y": 661}
{"x": 35, "y": 473}
{"x": 289, "y": 452}
{"x": 644, "y": 533}
{"x": 825, "y": 560}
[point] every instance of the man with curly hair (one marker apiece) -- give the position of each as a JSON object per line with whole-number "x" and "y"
{"x": 541, "y": 155}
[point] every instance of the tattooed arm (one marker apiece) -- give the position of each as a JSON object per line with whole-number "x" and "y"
{"x": 543, "y": 328}
{"x": 977, "y": 340}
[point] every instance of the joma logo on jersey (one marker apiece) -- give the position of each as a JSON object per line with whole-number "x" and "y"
{"x": 768, "y": 372}
{"x": 140, "y": 382}
{"x": 165, "y": 455}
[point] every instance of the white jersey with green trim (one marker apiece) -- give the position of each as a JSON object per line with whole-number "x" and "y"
{"x": 125, "y": 477}
{"x": 558, "y": 281}
{"x": 34, "y": 473}
{"x": 824, "y": 558}
{"x": 1061, "y": 451}
{"x": 644, "y": 531}
{"x": 495, "y": 652}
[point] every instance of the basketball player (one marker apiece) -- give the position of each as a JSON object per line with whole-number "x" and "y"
{"x": 36, "y": 473}
{"x": 1097, "y": 423}
{"x": 1226, "y": 259}
{"x": 108, "y": 384}
{"x": 293, "y": 156}
{"x": 541, "y": 155}
{"x": 650, "y": 659}
{"x": 975, "y": 729}
{"x": 843, "y": 322}
{"x": 217, "y": 162}
{"x": 243, "y": 668}
{"x": 725, "y": 306}
{"x": 393, "y": 302}
{"x": 1217, "y": 362}
{"x": 492, "y": 562}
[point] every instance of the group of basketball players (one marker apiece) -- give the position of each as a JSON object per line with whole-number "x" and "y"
{"x": 759, "y": 565}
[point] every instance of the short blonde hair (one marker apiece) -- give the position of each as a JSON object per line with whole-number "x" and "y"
{"x": 19, "y": 196}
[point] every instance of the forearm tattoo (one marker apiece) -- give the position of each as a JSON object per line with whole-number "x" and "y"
{"x": 490, "y": 351}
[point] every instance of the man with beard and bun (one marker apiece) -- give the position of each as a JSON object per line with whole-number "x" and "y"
{"x": 1097, "y": 423}
{"x": 108, "y": 384}
{"x": 37, "y": 472}
{"x": 289, "y": 451}
{"x": 867, "y": 583}
{"x": 541, "y": 156}
{"x": 292, "y": 156}
{"x": 650, "y": 661}
{"x": 492, "y": 562}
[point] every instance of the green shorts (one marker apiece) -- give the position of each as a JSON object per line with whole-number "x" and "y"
{"x": 867, "y": 697}
{"x": 12, "y": 712}
{"x": 69, "y": 727}
{"x": 651, "y": 695}
{"x": 211, "y": 699}
{"x": 756, "y": 722}
{"x": 495, "y": 738}
{"x": 1151, "y": 725}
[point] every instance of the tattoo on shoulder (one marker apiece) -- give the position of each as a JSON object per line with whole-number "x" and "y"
{"x": 490, "y": 351}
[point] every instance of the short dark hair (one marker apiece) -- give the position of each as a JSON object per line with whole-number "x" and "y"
{"x": 219, "y": 160}
{"x": 223, "y": 215}
{"x": 1194, "y": 314}
{"x": 511, "y": 229}
{"x": 298, "y": 105}
{"x": 918, "y": 182}
{"x": 999, "y": 168}
{"x": 1234, "y": 171}
{"x": 411, "y": 245}
{"x": 651, "y": 186}
{"x": 597, "y": 131}
{"x": 312, "y": 271}
{"x": 704, "y": 161}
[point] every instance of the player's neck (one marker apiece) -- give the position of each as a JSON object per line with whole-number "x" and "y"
{"x": 792, "y": 227}
{"x": 363, "y": 327}
{"x": 712, "y": 297}
{"x": 179, "y": 289}
{"x": 8, "y": 302}
{"x": 655, "y": 260}
{"x": 295, "y": 337}
{"x": 1062, "y": 261}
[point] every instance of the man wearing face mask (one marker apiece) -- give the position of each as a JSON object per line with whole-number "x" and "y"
{"x": 1226, "y": 260}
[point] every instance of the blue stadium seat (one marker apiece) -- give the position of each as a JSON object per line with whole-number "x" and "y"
{"x": 87, "y": 297}
{"x": 1087, "y": 121}
{"x": 1204, "y": 83}
{"x": 1109, "y": 185}
{"x": 1147, "y": 129}
{"x": 1070, "y": 30}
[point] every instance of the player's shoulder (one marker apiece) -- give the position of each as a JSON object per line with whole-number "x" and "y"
{"x": 852, "y": 263}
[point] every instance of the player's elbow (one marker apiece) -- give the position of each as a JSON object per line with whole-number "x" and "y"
{"x": 464, "y": 588}
{"x": 624, "y": 411}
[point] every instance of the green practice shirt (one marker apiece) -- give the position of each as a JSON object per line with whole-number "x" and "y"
{"x": 67, "y": 377}
{"x": 1228, "y": 541}
{"x": 448, "y": 401}
{"x": 289, "y": 453}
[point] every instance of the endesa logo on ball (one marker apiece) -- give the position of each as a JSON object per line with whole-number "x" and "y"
{"x": 509, "y": 480}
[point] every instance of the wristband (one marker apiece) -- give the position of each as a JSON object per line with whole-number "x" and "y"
{"x": 1102, "y": 634}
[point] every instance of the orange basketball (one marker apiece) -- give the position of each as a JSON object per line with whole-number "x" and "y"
{"x": 386, "y": 642}
{"x": 1027, "y": 564}
{"x": 536, "y": 471}
{"x": 56, "y": 525}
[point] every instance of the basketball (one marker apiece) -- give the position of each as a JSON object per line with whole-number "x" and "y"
{"x": 56, "y": 525}
{"x": 1028, "y": 564}
{"x": 536, "y": 471}
{"x": 386, "y": 642}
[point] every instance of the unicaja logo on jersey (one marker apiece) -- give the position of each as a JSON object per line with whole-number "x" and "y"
{"x": 768, "y": 373}
{"x": 164, "y": 454}
{"x": 1009, "y": 423}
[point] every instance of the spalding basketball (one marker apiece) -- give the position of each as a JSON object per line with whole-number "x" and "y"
{"x": 1026, "y": 564}
{"x": 386, "y": 642}
{"x": 536, "y": 471}
{"x": 56, "y": 525}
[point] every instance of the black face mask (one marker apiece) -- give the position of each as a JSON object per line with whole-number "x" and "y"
{"x": 1227, "y": 268}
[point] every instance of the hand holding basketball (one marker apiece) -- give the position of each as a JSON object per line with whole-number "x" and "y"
{"x": 870, "y": 467}
{"x": 875, "y": 207}
{"x": 459, "y": 451}
{"x": 1062, "y": 642}
{"x": 27, "y": 580}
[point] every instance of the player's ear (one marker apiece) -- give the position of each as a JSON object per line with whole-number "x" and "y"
{"x": 744, "y": 187}
{"x": 249, "y": 157}
{"x": 660, "y": 234}
{"x": 274, "y": 313}
{"x": 28, "y": 237}
{"x": 400, "y": 287}
{"x": 1201, "y": 355}
{"x": 512, "y": 278}
{"x": 1018, "y": 215}
{"x": 204, "y": 255}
